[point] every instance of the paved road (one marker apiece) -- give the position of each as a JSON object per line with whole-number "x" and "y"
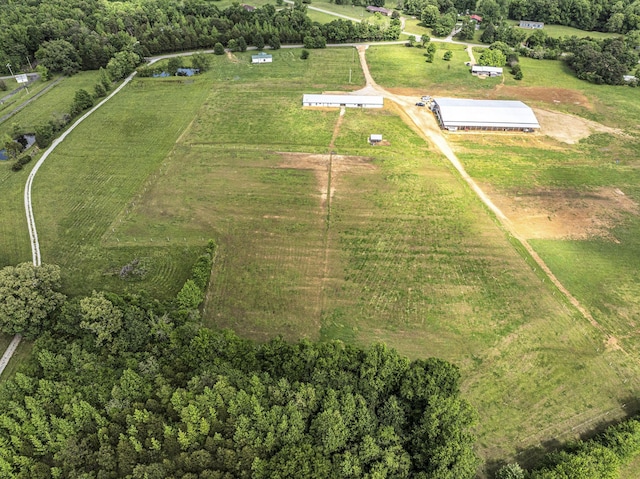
{"x": 13, "y": 345}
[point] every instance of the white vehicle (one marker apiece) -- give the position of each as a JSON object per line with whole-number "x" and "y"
{"x": 426, "y": 98}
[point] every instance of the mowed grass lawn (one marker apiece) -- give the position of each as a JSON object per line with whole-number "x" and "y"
{"x": 93, "y": 180}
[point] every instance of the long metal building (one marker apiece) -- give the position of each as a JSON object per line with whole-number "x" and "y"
{"x": 349, "y": 101}
{"x": 497, "y": 115}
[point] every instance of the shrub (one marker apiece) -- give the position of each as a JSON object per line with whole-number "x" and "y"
{"x": 20, "y": 162}
{"x": 447, "y": 55}
{"x": 218, "y": 49}
{"x": 3, "y": 85}
{"x": 304, "y": 54}
{"x": 99, "y": 90}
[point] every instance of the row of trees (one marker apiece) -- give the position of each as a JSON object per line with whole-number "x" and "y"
{"x": 128, "y": 386}
{"x": 601, "y": 15}
{"x": 599, "y": 458}
{"x": 67, "y": 36}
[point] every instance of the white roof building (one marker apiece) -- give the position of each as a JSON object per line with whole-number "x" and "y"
{"x": 484, "y": 70}
{"x": 261, "y": 57}
{"x": 349, "y": 101}
{"x": 460, "y": 114}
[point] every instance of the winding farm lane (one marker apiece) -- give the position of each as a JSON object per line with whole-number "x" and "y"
{"x": 429, "y": 129}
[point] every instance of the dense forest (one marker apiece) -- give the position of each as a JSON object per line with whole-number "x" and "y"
{"x": 85, "y": 34}
{"x": 133, "y": 387}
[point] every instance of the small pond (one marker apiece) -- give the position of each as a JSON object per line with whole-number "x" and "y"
{"x": 27, "y": 142}
{"x": 182, "y": 72}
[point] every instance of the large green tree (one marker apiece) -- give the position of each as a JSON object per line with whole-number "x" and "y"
{"x": 28, "y": 296}
{"x": 59, "y": 56}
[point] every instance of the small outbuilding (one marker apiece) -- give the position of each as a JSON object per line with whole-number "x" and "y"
{"x": 262, "y": 57}
{"x": 348, "y": 101}
{"x": 455, "y": 114}
{"x": 383, "y": 11}
{"x": 477, "y": 18}
{"x": 529, "y": 24}
{"x": 374, "y": 139}
{"x": 486, "y": 71}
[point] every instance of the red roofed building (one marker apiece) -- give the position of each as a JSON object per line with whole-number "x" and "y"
{"x": 477, "y": 18}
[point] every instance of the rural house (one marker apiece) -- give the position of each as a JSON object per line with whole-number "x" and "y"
{"x": 383, "y": 11}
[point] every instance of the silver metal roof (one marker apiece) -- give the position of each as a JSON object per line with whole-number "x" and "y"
{"x": 485, "y": 113}
{"x": 482, "y": 68}
{"x": 343, "y": 99}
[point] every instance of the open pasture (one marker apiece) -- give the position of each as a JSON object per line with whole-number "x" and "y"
{"x": 390, "y": 246}
{"x": 93, "y": 180}
{"x": 405, "y": 70}
{"x": 323, "y": 236}
{"x": 546, "y": 84}
{"x": 557, "y": 31}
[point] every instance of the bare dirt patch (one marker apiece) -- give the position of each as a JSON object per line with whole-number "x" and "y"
{"x": 321, "y": 165}
{"x": 564, "y": 214}
{"x": 555, "y": 96}
{"x": 232, "y": 57}
{"x": 569, "y": 128}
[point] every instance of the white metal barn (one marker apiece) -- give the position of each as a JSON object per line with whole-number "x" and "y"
{"x": 262, "y": 57}
{"x": 498, "y": 115}
{"x": 488, "y": 71}
{"x": 337, "y": 101}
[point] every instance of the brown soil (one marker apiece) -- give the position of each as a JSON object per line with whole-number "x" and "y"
{"x": 320, "y": 165}
{"x": 554, "y": 96}
{"x": 232, "y": 57}
{"x": 564, "y": 214}
{"x": 545, "y": 94}
{"x": 569, "y": 128}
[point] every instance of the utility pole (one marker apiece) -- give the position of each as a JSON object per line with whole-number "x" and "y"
{"x": 10, "y": 70}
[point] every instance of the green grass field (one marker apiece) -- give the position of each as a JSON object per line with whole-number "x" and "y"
{"x": 56, "y": 101}
{"x": 402, "y": 253}
{"x": 402, "y": 67}
{"x": 557, "y": 31}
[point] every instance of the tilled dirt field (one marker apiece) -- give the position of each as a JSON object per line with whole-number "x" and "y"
{"x": 563, "y": 213}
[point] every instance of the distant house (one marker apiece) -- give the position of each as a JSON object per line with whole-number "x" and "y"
{"x": 486, "y": 71}
{"x": 261, "y": 57}
{"x": 248, "y": 8}
{"x": 528, "y": 24}
{"x": 383, "y": 11}
{"x": 477, "y": 18}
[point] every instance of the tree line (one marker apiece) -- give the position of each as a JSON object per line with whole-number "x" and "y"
{"x": 67, "y": 36}
{"x": 131, "y": 386}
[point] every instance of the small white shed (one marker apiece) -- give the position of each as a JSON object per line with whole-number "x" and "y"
{"x": 262, "y": 57}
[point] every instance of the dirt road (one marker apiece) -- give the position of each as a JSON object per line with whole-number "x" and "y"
{"x": 425, "y": 124}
